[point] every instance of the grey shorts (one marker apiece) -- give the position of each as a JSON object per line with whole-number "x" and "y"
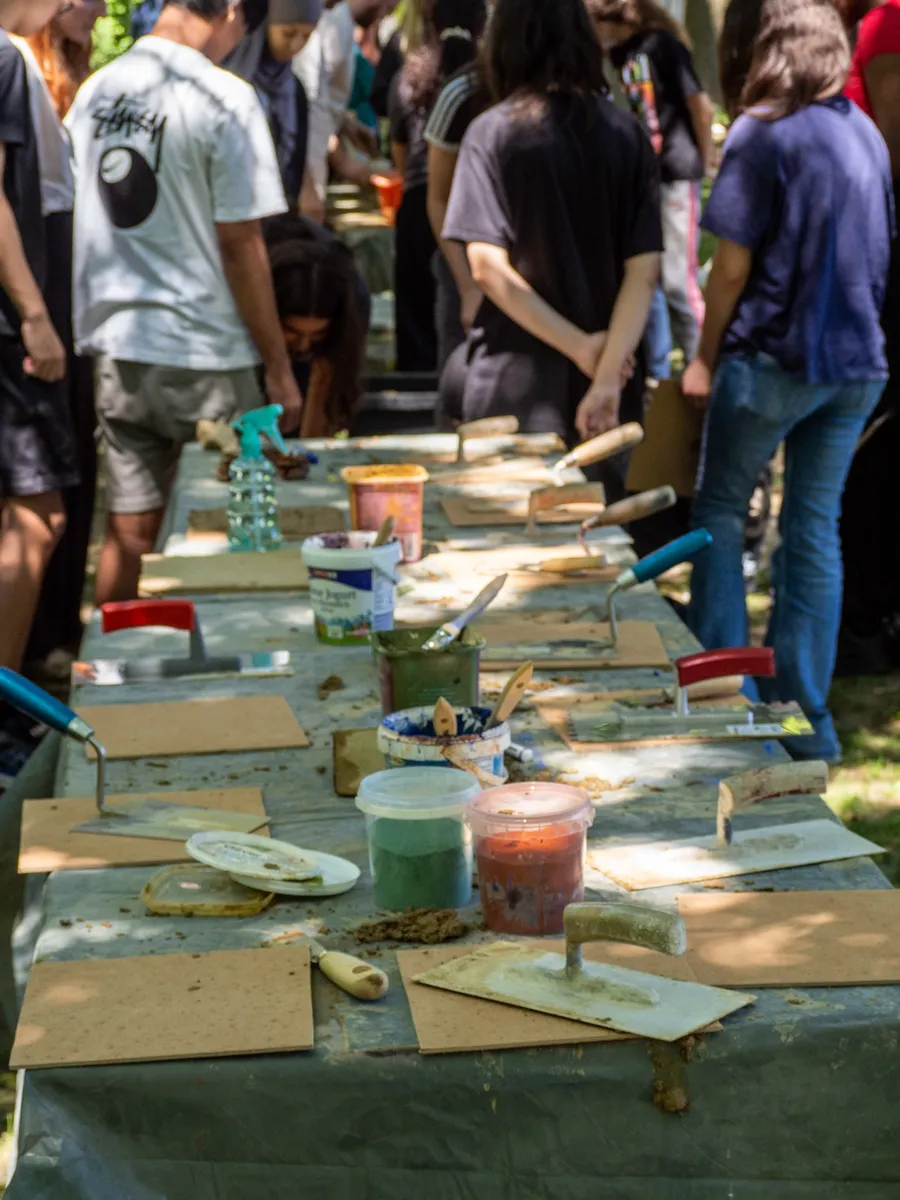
{"x": 147, "y": 413}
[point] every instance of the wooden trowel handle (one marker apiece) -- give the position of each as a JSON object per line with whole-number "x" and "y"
{"x": 455, "y": 755}
{"x": 634, "y": 924}
{"x": 352, "y": 975}
{"x": 604, "y": 446}
{"x": 544, "y": 499}
{"x": 644, "y": 504}
{"x": 486, "y": 427}
{"x": 765, "y": 783}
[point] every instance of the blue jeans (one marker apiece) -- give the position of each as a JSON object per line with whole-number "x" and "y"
{"x": 754, "y": 406}
{"x": 658, "y": 338}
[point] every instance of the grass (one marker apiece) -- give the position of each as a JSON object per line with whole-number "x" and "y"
{"x": 7, "y": 1106}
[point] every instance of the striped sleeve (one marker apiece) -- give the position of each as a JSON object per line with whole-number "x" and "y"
{"x": 452, "y": 113}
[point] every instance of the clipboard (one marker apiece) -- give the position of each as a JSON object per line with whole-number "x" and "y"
{"x": 670, "y": 452}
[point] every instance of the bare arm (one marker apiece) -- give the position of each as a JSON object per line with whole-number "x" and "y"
{"x": 727, "y": 279}
{"x": 246, "y": 266}
{"x": 495, "y": 275}
{"x": 46, "y": 356}
{"x": 400, "y": 156}
{"x": 599, "y": 410}
{"x": 883, "y": 84}
{"x": 701, "y": 112}
{"x": 441, "y": 166}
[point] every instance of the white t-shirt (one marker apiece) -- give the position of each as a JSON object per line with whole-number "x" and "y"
{"x": 167, "y": 146}
{"x": 54, "y": 149}
{"x": 325, "y": 66}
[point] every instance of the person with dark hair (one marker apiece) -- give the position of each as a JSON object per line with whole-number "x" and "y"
{"x": 556, "y": 198}
{"x": 322, "y": 305}
{"x": 277, "y": 30}
{"x": 792, "y": 350}
{"x": 456, "y": 26}
{"x": 173, "y": 292}
{"x": 650, "y": 51}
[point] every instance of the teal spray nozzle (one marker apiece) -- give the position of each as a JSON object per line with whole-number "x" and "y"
{"x": 256, "y": 424}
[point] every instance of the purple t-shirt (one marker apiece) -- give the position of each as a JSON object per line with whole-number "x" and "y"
{"x": 810, "y": 195}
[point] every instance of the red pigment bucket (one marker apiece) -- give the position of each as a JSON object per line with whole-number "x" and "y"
{"x": 530, "y": 841}
{"x": 389, "y": 490}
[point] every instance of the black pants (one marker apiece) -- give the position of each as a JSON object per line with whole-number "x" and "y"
{"x": 57, "y": 621}
{"x": 414, "y": 284}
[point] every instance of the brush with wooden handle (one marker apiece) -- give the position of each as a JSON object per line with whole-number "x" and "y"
{"x": 511, "y": 695}
{"x": 444, "y": 719}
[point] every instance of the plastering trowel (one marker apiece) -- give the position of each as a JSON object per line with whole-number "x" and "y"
{"x": 171, "y": 614}
{"x": 662, "y": 863}
{"x": 621, "y": 721}
{"x": 528, "y": 976}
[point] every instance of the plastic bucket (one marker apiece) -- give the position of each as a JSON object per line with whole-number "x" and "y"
{"x": 351, "y": 585}
{"x": 407, "y": 739}
{"x": 530, "y": 841}
{"x": 389, "y": 189}
{"x": 390, "y": 490}
{"x": 420, "y": 848}
{"x": 410, "y": 677}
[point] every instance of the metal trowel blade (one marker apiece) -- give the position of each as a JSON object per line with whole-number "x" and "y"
{"x": 137, "y": 817}
{"x": 111, "y": 672}
{"x": 611, "y": 721}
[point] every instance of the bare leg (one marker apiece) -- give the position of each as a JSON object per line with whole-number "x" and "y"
{"x": 128, "y": 536}
{"x": 30, "y": 527}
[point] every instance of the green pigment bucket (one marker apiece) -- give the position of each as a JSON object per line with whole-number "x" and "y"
{"x": 410, "y": 677}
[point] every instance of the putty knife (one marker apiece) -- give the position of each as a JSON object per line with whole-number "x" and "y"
{"x": 171, "y": 614}
{"x": 664, "y": 863}
{"x": 511, "y": 695}
{"x": 596, "y": 993}
{"x": 620, "y": 721}
{"x": 353, "y": 975}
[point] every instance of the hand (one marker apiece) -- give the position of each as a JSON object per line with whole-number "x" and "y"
{"x": 359, "y": 136}
{"x": 696, "y": 384}
{"x": 587, "y": 355}
{"x": 598, "y": 412}
{"x": 311, "y": 203}
{"x": 470, "y": 302}
{"x": 281, "y": 388}
{"x": 45, "y": 356}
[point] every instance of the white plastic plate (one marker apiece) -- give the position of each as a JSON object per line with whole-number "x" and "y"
{"x": 255, "y": 859}
{"x": 337, "y": 875}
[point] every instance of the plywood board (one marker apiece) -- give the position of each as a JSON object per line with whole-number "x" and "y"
{"x": 48, "y": 841}
{"x": 356, "y": 755}
{"x": 512, "y": 641}
{"x": 295, "y": 521}
{"x": 448, "y": 1023}
{"x": 785, "y": 939}
{"x": 666, "y": 863}
{"x": 495, "y": 510}
{"x": 162, "y": 1007}
{"x": 273, "y": 571}
{"x": 199, "y": 726}
{"x": 670, "y": 451}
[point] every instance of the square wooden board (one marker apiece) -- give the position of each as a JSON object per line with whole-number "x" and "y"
{"x": 162, "y": 1007}
{"x": 274, "y": 571}
{"x": 450, "y": 1023}
{"x": 49, "y": 842}
{"x": 196, "y": 726}
{"x": 296, "y": 522}
{"x": 356, "y": 755}
{"x": 514, "y": 640}
{"x": 480, "y": 511}
{"x": 793, "y": 939}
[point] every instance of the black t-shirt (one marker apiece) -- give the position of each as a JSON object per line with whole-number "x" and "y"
{"x": 408, "y": 129}
{"x": 21, "y": 179}
{"x": 571, "y": 196}
{"x": 658, "y": 76}
{"x": 462, "y": 98}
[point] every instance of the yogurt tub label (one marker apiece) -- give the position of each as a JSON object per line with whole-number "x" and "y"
{"x": 350, "y": 604}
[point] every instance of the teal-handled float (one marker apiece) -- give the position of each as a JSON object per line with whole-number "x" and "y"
{"x": 34, "y": 702}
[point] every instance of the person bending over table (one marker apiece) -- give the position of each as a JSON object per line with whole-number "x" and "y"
{"x": 556, "y": 197}
{"x": 792, "y": 350}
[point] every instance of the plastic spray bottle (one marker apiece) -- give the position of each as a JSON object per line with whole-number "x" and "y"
{"x": 252, "y": 506}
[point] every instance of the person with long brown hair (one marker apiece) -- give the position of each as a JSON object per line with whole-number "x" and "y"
{"x": 792, "y": 350}
{"x": 650, "y": 51}
{"x": 556, "y": 199}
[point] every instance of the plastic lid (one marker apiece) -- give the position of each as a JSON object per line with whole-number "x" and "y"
{"x": 417, "y": 793}
{"x": 530, "y": 806}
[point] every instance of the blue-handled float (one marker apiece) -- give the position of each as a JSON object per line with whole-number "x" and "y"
{"x": 34, "y": 702}
{"x": 682, "y": 550}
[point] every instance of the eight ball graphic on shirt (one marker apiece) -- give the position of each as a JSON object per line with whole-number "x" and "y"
{"x": 127, "y": 186}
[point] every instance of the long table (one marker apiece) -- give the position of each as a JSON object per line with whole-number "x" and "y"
{"x": 792, "y": 1101}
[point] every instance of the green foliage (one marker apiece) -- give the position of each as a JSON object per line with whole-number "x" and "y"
{"x": 112, "y": 35}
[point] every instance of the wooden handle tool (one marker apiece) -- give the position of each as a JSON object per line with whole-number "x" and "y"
{"x": 633, "y": 508}
{"x": 511, "y": 695}
{"x": 605, "y": 445}
{"x": 456, "y": 756}
{"x": 444, "y": 719}
{"x": 559, "y": 496}
{"x": 353, "y": 975}
{"x": 385, "y": 532}
{"x": 486, "y": 427}
{"x": 764, "y": 783}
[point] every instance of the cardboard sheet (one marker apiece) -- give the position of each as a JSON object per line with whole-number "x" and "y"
{"x": 356, "y": 755}
{"x": 165, "y": 1006}
{"x": 670, "y": 451}
{"x": 274, "y": 571}
{"x": 196, "y": 726}
{"x": 495, "y": 510}
{"x": 296, "y": 522}
{"x": 512, "y": 641}
{"x": 48, "y": 841}
{"x": 785, "y": 939}
{"x": 448, "y": 1023}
